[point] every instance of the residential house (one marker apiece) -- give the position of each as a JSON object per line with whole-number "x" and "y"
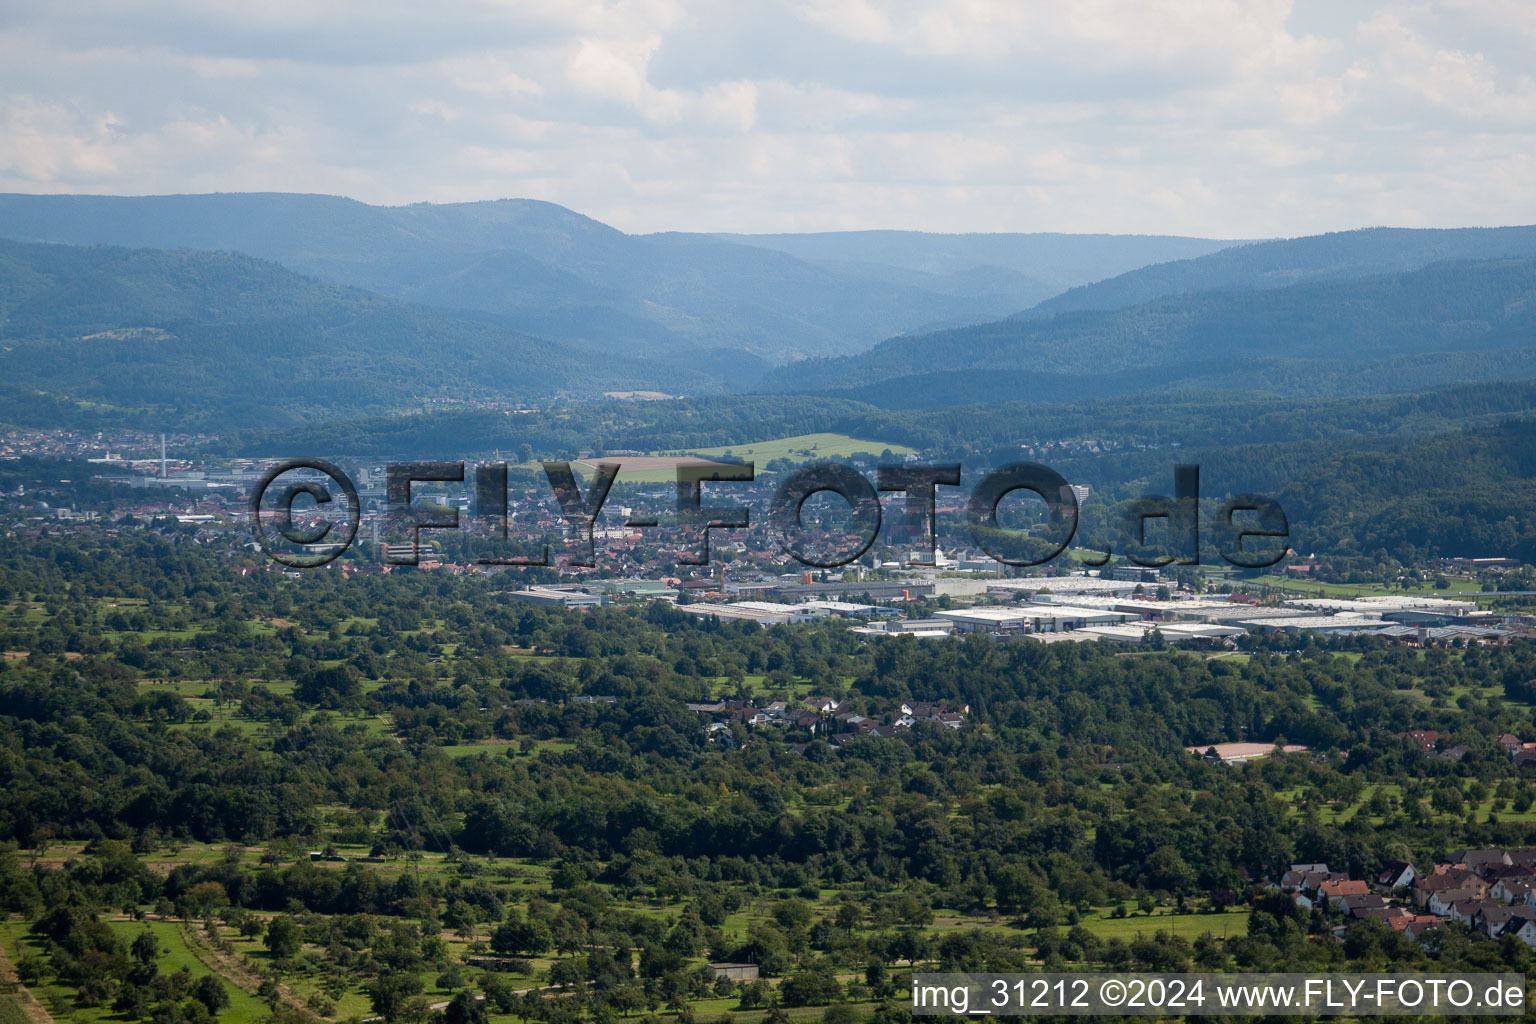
{"x": 931, "y": 711}
{"x": 1494, "y": 873}
{"x": 1464, "y": 910}
{"x": 1387, "y": 914}
{"x": 1416, "y": 924}
{"x": 1426, "y": 887}
{"x": 1478, "y": 860}
{"x": 1336, "y": 890}
{"x": 1395, "y": 876}
{"x": 1353, "y": 905}
{"x": 1512, "y": 890}
{"x": 1441, "y": 903}
{"x": 1496, "y": 920}
{"x": 804, "y": 720}
{"x": 1313, "y": 881}
{"x": 1296, "y": 878}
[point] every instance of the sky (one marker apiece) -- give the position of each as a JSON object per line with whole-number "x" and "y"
{"x": 1216, "y": 118}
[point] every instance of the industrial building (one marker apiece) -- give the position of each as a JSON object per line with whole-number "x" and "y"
{"x": 634, "y": 588}
{"x": 1346, "y": 622}
{"x": 875, "y": 590}
{"x": 988, "y": 620}
{"x": 558, "y": 597}
{"x": 1173, "y": 632}
{"x": 763, "y": 613}
{"x": 1384, "y": 603}
{"x": 1043, "y": 587}
{"x": 923, "y": 629}
{"x": 1033, "y": 618}
{"x": 849, "y": 610}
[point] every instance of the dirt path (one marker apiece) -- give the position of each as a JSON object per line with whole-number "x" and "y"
{"x": 35, "y": 1011}
{"x": 230, "y": 967}
{"x": 443, "y": 1005}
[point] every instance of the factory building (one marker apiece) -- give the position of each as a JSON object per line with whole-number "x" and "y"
{"x": 558, "y": 598}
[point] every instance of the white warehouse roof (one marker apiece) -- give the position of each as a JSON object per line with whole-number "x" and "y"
{"x": 1326, "y": 623}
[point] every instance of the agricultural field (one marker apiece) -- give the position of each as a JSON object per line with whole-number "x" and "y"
{"x": 1319, "y": 588}
{"x": 11, "y": 1010}
{"x": 659, "y": 467}
{"x": 297, "y": 974}
{"x": 804, "y": 448}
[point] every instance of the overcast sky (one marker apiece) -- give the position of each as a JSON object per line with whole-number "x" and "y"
{"x": 1199, "y": 117}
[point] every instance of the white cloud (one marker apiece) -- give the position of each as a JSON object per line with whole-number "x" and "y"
{"x": 1217, "y": 117}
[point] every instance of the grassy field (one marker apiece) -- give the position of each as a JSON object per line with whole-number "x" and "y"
{"x": 175, "y": 954}
{"x": 1317, "y": 588}
{"x": 1328, "y": 813}
{"x": 800, "y": 448}
{"x": 11, "y": 1011}
{"x": 499, "y": 748}
{"x": 1188, "y": 926}
{"x": 518, "y": 879}
{"x": 804, "y": 447}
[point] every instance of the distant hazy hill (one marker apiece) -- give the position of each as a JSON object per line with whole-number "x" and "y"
{"x": 1433, "y": 325}
{"x": 726, "y": 304}
{"x": 1342, "y": 255}
{"x": 199, "y": 337}
{"x": 982, "y": 264}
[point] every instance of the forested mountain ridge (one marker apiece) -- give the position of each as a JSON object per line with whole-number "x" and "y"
{"x": 1332, "y": 327}
{"x": 1467, "y": 494}
{"x": 1339, "y": 255}
{"x": 216, "y": 338}
{"x": 973, "y": 433}
{"x": 1204, "y": 380}
{"x": 1410, "y": 499}
{"x": 556, "y": 273}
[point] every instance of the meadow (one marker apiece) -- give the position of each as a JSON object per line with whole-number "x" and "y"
{"x": 800, "y": 448}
